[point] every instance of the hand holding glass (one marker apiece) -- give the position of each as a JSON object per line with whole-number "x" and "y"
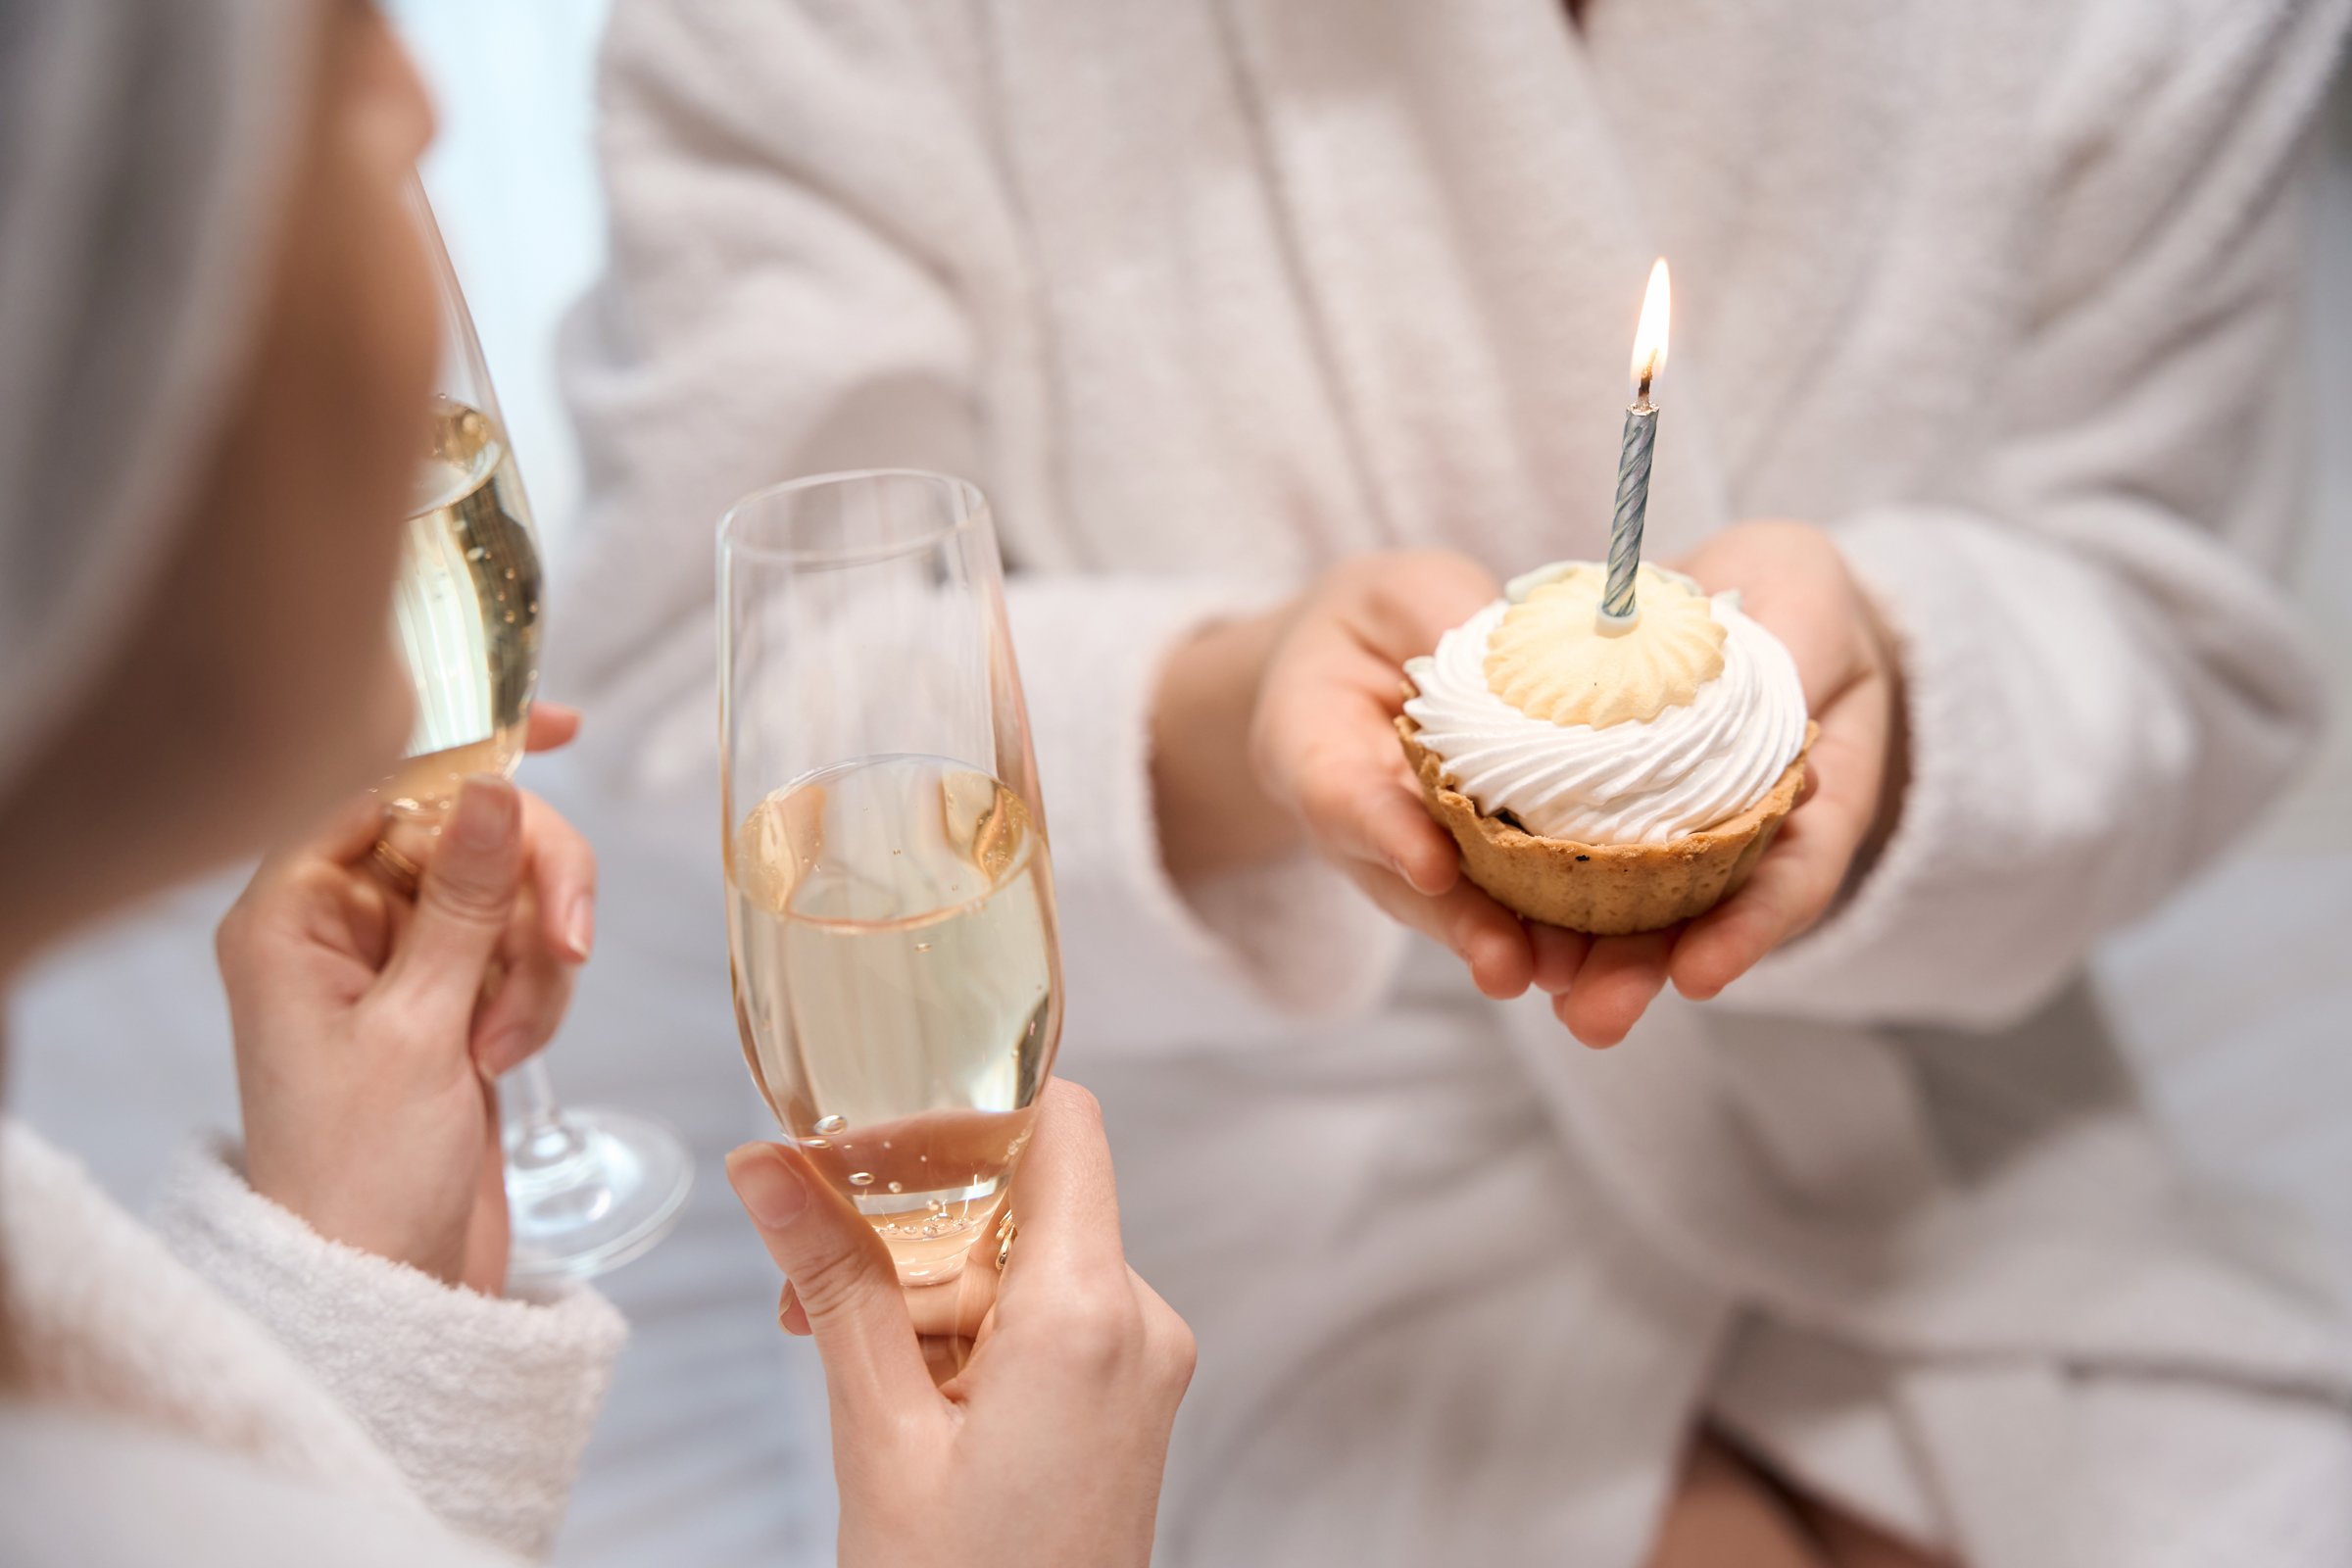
{"x": 587, "y": 1190}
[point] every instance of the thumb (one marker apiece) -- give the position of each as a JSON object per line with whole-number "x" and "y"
{"x": 846, "y": 1281}
{"x": 463, "y": 899}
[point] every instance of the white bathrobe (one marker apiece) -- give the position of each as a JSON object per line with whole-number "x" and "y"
{"x": 1209, "y": 294}
{"x": 233, "y": 1387}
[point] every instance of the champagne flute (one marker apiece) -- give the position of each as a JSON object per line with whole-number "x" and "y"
{"x": 587, "y": 1189}
{"x": 890, "y": 906}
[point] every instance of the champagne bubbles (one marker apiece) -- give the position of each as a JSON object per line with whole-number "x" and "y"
{"x": 891, "y": 927}
{"x": 468, "y": 558}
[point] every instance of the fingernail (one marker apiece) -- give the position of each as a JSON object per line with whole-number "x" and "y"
{"x": 772, "y": 1191}
{"x": 506, "y": 1053}
{"x": 485, "y": 808}
{"x": 579, "y": 926}
{"x": 790, "y": 1299}
{"x": 1428, "y": 887}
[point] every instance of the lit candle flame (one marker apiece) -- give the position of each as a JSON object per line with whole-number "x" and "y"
{"x": 1650, "y": 338}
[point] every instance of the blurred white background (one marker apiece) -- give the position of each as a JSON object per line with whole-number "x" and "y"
{"x": 2237, "y": 995}
{"x": 513, "y": 179}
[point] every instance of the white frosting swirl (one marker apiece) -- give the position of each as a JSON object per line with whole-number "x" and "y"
{"x": 1691, "y": 768}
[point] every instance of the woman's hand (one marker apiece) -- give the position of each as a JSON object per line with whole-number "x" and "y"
{"x": 1047, "y": 1446}
{"x": 370, "y": 1025}
{"x": 1317, "y": 686}
{"x": 1793, "y": 580}
{"x": 1309, "y": 694}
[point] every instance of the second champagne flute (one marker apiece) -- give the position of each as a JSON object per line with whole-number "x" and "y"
{"x": 889, "y": 904}
{"x": 587, "y": 1189}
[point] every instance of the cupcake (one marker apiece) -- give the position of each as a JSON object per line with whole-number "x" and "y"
{"x": 1609, "y": 779}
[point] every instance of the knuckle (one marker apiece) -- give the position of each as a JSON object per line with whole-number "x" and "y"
{"x": 1357, "y": 574}
{"x": 1325, "y": 793}
{"x": 895, "y": 1437}
{"x": 1463, "y": 927}
{"x": 1445, "y": 570}
{"x": 1703, "y": 977}
{"x": 1099, "y": 1328}
{"x": 1400, "y": 583}
{"x": 830, "y": 1281}
{"x": 473, "y": 902}
{"x": 1179, "y": 1351}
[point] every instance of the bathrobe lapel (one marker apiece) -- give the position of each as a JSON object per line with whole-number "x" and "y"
{"x": 1445, "y": 174}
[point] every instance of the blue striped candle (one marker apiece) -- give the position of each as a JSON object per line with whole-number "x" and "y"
{"x": 1632, "y": 504}
{"x": 1618, "y": 609}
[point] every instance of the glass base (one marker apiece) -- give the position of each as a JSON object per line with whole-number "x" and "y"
{"x": 589, "y": 1190}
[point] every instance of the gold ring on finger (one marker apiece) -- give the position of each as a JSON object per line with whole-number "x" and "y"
{"x": 397, "y": 868}
{"x": 1007, "y": 1230}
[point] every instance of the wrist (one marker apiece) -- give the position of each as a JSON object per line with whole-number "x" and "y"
{"x": 1212, "y": 812}
{"x": 354, "y": 1218}
{"x": 1894, "y": 775}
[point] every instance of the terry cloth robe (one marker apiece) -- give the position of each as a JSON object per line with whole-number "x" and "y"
{"x": 1209, "y": 295}
{"x": 233, "y": 1387}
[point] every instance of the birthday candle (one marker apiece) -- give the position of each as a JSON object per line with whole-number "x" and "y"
{"x": 1618, "y": 610}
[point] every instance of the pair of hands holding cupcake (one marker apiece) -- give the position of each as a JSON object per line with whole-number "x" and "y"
{"x": 1311, "y": 693}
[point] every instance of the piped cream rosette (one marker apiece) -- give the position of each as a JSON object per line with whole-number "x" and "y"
{"x": 1608, "y": 778}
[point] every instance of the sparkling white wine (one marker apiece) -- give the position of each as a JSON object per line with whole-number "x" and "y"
{"x": 466, "y": 612}
{"x": 898, "y": 987}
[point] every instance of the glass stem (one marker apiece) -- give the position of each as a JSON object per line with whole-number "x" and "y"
{"x": 537, "y": 1135}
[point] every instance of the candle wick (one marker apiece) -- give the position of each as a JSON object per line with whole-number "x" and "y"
{"x": 1642, "y": 392}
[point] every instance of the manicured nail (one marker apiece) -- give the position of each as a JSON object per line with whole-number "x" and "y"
{"x": 772, "y": 1191}
{"x": 784, "y": 1308}
{"x": 506, "y": 1053}
{"x": 486, "y": 813}
{"x": 579, "y": 926}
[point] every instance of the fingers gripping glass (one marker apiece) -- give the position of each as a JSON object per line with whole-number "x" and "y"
{"x": 587, "y": 1189}
{"x": 889, "y": 904}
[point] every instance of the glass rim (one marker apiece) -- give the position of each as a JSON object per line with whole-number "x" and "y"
{"x": 732, "y": 543}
